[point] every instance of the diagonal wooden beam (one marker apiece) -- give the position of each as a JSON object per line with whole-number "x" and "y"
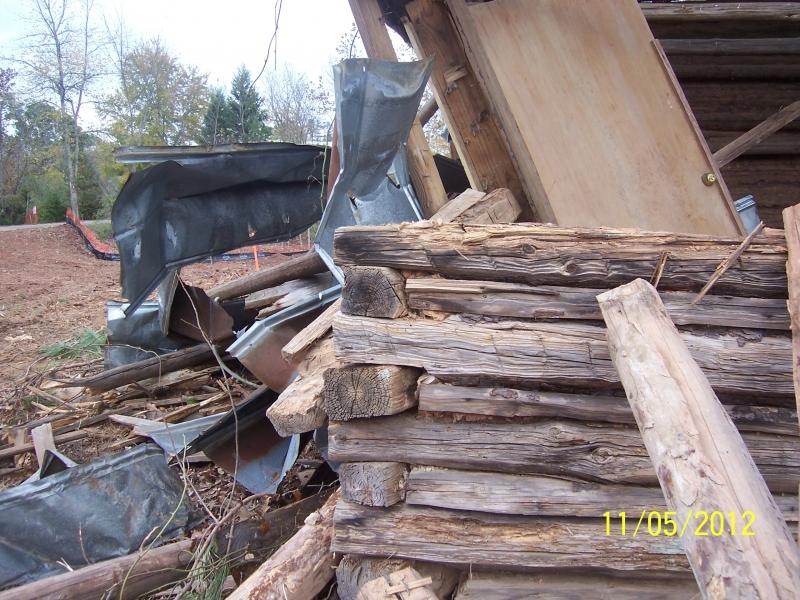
{"x": 757, "y": 134}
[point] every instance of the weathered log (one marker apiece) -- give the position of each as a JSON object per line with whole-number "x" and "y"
{"x": 482, "y": 539}
{"x": 538, "y": 495}
{"x": 551, "y": 255}
{"x": 309, "y": 335}
{"x": 149, "y": 367}
{"x": 406, "y": 584}
{"x": 301, "y": 567}
{"x": 600, "y": 453}
{"x": 373, "y": 483}
{"x": 701, "y": 461}
{"x": 481, "y": 350}
{"x": 568, "y": 584}
{"x": 515, "y": 403}
{"x": 129, "y": 576}
{"x": 301, "y": 406}
{"x": 791, "y": 223}
{"x": 359, "y": 391}
{"x": 297, "y": 267}
{"x": 355, "y": 570}
{"x": 374, "y": 292}
{"x": 474, "y": 207}
{"x": 273, "y": 299}
{"x": 504, "y": 299}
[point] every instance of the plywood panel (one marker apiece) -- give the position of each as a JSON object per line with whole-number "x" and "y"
{"x": 598, "y": 128}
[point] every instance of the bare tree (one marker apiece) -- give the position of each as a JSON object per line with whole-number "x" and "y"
{"x": 60, "y": 60}
{"x": 297, "y": 108}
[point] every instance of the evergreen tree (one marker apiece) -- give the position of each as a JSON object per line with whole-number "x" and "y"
{"x": 246, "y": 110}
{"x": 218, "y": 122}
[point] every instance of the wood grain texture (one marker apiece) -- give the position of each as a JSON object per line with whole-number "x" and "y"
{"x": 471, "y": 122}
{"x": 697, "y": 453}
{"x": 505, "y": 493}
{"x": 355, "y": 570}
{"x": 309, "y": 335}
{"x": 636, "y": 133}
{"x": 590, "y": 452}
{"x": 301, "y": 406}
{"x": 471, "y": 206}
{"x": 791, "y": 222}
{"x": 360, "y": 391}
{"x": 480, "y": 350}
{"x": 504, "y": 299}
{"x": 301, "y": 567}
{"x": 373, "y": 292}
{"x": 567, "y": 585}
{"x": 373, "y": 483}
{"x": 530, "y": 404}
{"x": 482, "y": 539}
{"x": 548, "y": 255}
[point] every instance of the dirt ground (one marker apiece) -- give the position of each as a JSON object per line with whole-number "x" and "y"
{"x": 51, "y": 287}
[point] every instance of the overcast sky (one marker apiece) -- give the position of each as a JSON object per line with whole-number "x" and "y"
{"x": 218, "y": 35}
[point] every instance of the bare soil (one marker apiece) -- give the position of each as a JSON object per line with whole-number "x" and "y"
{"x": 51, "y": 288}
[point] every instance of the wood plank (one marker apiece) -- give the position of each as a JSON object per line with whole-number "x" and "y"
{"x": 310, "y": 334}
{"x": 424, "y": 175}
{"x": 569, "y": 585}
{"x": 697, "y": 452}
{"x": 757, "y": 134}
{"x": 533, "y": 495}
{"x": 636, "y": 132}
{"x": 361, "y": 391}
{"x": 590, "y": 452}
{"x": 548, "y": 255}
{"x": 505, "y": 299}
{"x": 279, "y": 297}
{"x": 355, "y": 570}
{"x": 722, "y": 19}
{"x": 471, "y": 122}
{"x": 374, "y": 292}
{"x": 530, "y": 404}
{"x": 300, "y": 568}
{"x": 476, "y": 350}
{"x": 482, "y": 539}
{"x": 472, "y": 206}
{"x": 791, "y": 221}
{"x": 373, "y": 483}
{"x": 301, "y": 406}
{"x": 730, "y": 46}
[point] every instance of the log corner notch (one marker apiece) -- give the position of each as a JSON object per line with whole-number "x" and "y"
{"x": 700, "y": 459}
{"x": 374, "y": 292}
{"x": 361, "y": 391}
{"x": 476, "y": 208}
{"x": 373, "y": 483}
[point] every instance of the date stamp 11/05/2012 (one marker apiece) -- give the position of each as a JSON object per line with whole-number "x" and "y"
{"x": 699, "y": 523}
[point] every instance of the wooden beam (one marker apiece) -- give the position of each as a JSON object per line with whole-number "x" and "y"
{"x": 537, "y": 495}
{"x": 428, "y": 110}
{"x": 548, "y": 255}
{"x": 424, "y": 176}
{"x": 374, "y": 292}
{"x": 589, "y": 452}
{"x": 373, "y": 483}
{"x": 361, "y": 391}
{"x": 474, "y": 207}
{"x": 482, "y": 539}
{"x": 356, "y": 570}
{"x": 504, "y": 299}
{"x": 791, "y": 223}
{"x": 300, "y": 568}
{"x": 298, "y": 267}
{"x": 697, "y": 452}
{"x": 731, "y": 46}
{"x": 530, "y": 404}
{"x": 757, "y": 134}
{"x": 470, "y": 120}
{"x": 310, "y": 334}
{"x": 301, "y": 406}
{"x": 468, "y": 350}
{"x": 561, "y": 585}
{"x": 722, "y": 19}
{"x": 140, "y": 573}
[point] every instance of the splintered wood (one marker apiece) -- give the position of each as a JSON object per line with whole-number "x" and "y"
{"x": 516, "y": 448}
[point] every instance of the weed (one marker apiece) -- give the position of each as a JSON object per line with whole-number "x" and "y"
{"x": 86, "y": 344}
{"x": 103, "y": 231}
